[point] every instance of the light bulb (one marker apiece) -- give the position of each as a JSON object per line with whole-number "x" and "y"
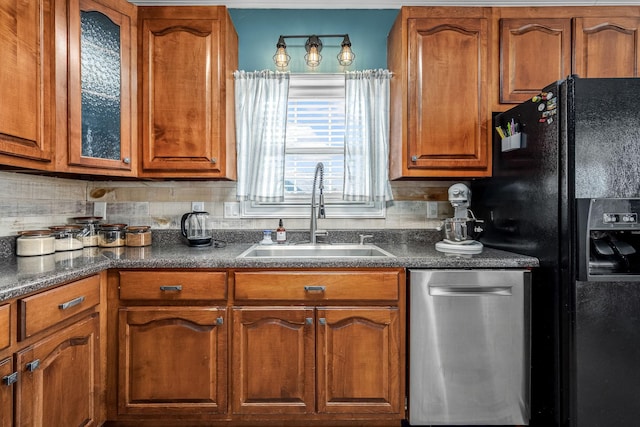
{"x": 281, "y": 58}
{"x": 346, "y": 56}
{"x": 313, "y": 58}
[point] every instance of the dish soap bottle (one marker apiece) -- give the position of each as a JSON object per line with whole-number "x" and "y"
{"x": 281, "y": 233}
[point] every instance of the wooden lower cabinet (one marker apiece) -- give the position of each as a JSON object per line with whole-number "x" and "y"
{"x": 358, "y": 360}
{"x": 323, "y": 344}
{"x": 247, "y": 347}
{"x": 172, "y": 360}
{"x": 325, "y": 360}
{"x": 273, "y": 360}
{"x": 59, "y": 378}
{"x": 8, "y": 378}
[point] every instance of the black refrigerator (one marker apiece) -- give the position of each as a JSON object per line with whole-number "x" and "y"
{"x": 578, "y": 140}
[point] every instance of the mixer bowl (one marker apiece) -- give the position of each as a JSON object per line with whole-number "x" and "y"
{"x": 461, "y": 230}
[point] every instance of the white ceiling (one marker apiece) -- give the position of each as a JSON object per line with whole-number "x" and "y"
{"x": 376, "y": 4}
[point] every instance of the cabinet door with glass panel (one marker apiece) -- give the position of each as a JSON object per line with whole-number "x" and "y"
{"x": 101, "y": 87}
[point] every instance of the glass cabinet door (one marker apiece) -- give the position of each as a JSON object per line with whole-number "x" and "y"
{"x": 100, "y": 131}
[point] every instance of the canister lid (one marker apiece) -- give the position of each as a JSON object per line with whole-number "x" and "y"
{"x": 112, "y": 227}
{"x": 66, "y": 230}
{"x": 87, "y": 219}
{"x": 66, "y": 227}
{"x": 138, "y": 228}
{"x": 35, "y": 233}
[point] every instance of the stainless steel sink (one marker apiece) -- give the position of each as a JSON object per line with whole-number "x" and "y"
{"x": 315, "y": 251}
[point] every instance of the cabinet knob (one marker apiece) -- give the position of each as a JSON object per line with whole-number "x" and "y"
{"x": 322, "y": 321}
{"x": 10, "y": 379}
{"x": 126, "y": 160}
{"x": 414, "y": 158}
{"x": 33, "y": 365}
{"x": 214, "y": 160}
{"x": 308, "y": 320}
{"x": 219, "y": 321}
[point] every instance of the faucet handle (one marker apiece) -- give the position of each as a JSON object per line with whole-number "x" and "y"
{"x": 364, "y": 236}
{"x": 322, "y": 235}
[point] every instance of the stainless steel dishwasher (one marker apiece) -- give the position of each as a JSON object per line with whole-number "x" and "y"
{"x": 469, "y": 338}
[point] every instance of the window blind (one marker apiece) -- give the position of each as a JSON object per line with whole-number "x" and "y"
{"x": 315, "y": 133}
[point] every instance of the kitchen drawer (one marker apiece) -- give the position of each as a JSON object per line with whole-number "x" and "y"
{"x": 5, "y": 326}
{"x": 47, "y": 308}
{"x": 317, "y": 285}
{"x": 173, "y": 285}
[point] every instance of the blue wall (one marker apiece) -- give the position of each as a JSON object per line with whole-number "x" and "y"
{"x": 259, "y": 29}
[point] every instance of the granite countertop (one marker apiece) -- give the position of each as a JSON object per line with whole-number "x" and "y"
{"x": 23, "y": 275}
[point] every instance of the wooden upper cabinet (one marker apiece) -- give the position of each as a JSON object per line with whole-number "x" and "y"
{"x": 188, "y": 56}
{"x": 102, "y": 89}
{"x": 439, "y": 94}
{"x": 533, "y": 53}
{"x": 27, "y": 89}
{"x": 540, "y": 45}
{"x": 607, "y": 46}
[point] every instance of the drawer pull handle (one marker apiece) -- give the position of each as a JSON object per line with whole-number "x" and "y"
{"x": 176, "y": 288}
{"x": 314, "y": 288}
{"x": 32, "y": 366}
{"x": 10, "y": 379}
{"x": 72, "y": 303}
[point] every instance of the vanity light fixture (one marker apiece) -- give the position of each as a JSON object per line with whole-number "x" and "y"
{"x": 313, "y": 46}
{"x": 281, "y": 58}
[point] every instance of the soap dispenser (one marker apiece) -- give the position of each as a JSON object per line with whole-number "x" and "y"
{"x": 281, "y": 233}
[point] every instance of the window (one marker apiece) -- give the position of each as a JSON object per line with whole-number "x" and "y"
{"x": 314, "y": 133}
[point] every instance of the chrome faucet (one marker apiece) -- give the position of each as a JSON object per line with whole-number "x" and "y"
{"x": 313, "y": 227}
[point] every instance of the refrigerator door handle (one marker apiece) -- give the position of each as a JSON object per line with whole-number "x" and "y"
{"x": 469, "y": 291}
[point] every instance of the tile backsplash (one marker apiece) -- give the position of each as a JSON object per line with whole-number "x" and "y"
{"x": 29, "y": 201}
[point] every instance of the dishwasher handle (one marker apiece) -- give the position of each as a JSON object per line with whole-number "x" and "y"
{"x": 469, "y": 291}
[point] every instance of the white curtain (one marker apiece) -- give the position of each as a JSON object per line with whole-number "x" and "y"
{"x": 367, "y": 136}
{"x": 261, "y": 120}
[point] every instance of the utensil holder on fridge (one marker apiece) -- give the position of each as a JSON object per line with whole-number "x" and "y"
{"x": 514, "y": 142}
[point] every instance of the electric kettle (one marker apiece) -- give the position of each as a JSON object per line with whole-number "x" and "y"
{"x": 194, "y": 228}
